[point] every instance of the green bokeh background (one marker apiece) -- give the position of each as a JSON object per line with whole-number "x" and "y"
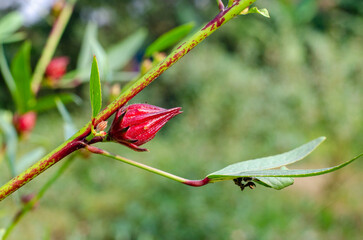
{"x": 256, "y": 87}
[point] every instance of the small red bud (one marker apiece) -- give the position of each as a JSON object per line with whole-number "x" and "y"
{"x": 57, "y": 68}
{"x": 137, "y": 124}
{"x": 24, "y": 123}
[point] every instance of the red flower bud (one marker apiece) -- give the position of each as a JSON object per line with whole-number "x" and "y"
{"x": 57, "y": 68}
{"x": 24, "y": 123}
{"x": 137, "y": 124}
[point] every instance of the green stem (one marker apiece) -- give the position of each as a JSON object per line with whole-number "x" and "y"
{"x": 31, "y": 204}
{"x": 102, "y": 152}
{"x": 73, "y": 143}
{"x": 51, "y": 44}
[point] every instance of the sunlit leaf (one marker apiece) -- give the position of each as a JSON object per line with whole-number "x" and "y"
{"x": 168, "y": 39}
{"x": 95, "y": 89}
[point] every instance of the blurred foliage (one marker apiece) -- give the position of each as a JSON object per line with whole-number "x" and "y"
{"x": 256, "y": 87}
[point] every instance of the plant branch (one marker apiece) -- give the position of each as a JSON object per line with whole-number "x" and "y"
{"x": 33, "y": 202}
{"x": 75, "y": 142}
{"x": 51, "y": 44}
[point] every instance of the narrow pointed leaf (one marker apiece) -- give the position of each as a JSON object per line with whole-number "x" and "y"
{"x": 11, "y": 139}
{"x": 21, "y": 72}
{"x": 168, "y": 39}
{"x": 279, "y": 173}
{"x": 95, "y": 89}
{"x": 271, "y": 161}
{"x": 69, "y": 127}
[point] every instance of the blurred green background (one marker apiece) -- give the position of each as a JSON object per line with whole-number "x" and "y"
{"x": 256, "y": 87}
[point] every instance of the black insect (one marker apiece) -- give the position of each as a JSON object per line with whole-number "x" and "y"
{"x": 248, "y": 182}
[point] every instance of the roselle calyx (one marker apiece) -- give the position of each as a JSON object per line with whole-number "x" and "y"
{"x": 56, "y": 69}
{"x": 137, "y": 124}
{"x": 24, "y": 123}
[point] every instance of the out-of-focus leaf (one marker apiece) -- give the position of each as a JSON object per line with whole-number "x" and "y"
{"x": 21, "y": 72}
{"x": 277, "y": 183}
{"x": 95, "y": 89}
{"x": 263, "y": 12}
{"x": 121, "y": 53}
{"x": 102, "y": 60}
{"x": 49, "y": 102}
{"x": 9, "y": 24}
{"x": 85, "y": 55}
{"x": 2, "y": 232}
{"x": 11, "y": 139}
{"x": 271, "y": 161}
{"x": 168, "y": 39}
{"x": 9, "y": 80}
{"x": 69, "y": 128}
{"x": 29, "y": 159}
{"x": 12, "y": 38}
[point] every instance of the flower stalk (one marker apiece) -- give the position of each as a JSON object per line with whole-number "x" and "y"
{"x": 78, "y": 139}
{"x": 194, "y": 183}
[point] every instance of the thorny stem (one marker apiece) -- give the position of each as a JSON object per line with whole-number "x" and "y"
{"x": 74, "y": 143}
{"x": 33, "y": 202}
{"x": 51, "y": 44}
{"x": 194, "y": 183}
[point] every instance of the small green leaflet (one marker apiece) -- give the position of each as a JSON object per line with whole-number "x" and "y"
{"x": 95, "y": 89}
{"x": 277, "y": 183}
{"x": 263, "y": 12}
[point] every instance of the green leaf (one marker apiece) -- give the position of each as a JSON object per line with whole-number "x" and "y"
{"x": 9, "y": 80}
{"x": 292, "y": 172}
{"x": 29, "y": 159}
{"x": 69, "y": 127}
{"x": 2, "y": 232}
{"x": 11, "y": 139}
{"x": 277, "y": 183}
{"x": 263, "y": 12}
{"x": 9, "y": 24}
{"x": 121, "y": 53}
{"x": 168, "y": 39}
{"x": 278, "y": 172}
{"x": 271, "y": 161}
{"x": 49, "y": 101}
{"x": 83, "y": 61}
{"x": 21, "y": 72}
{"x": 12, "y": 38}
{"x": 95, "y": 89}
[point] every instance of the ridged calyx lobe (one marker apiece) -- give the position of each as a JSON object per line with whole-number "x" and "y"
{"x": 137, "y": 124}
